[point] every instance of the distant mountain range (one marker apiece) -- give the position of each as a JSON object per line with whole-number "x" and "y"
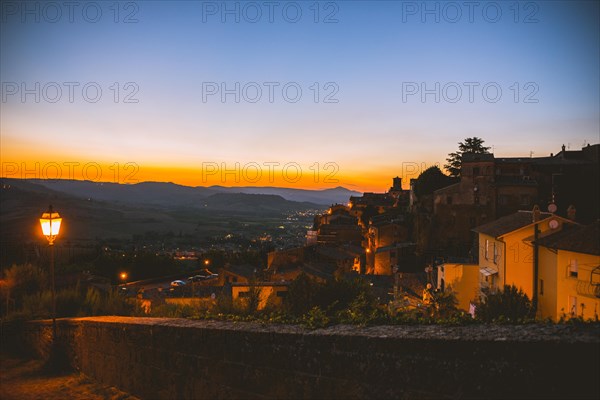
{"x": 171, "y": 194}
{"x": 116, "y": 210}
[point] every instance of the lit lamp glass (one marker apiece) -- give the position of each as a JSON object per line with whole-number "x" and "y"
{"x": 50, "y": 223}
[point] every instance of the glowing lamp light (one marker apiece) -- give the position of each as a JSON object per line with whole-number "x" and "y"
{"x": 124, "y": 275}
{"x": 50, "y": 223}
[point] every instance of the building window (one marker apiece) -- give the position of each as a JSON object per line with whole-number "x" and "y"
{"x": 487, "y": 249}
{"x": 573, "y": 305}
{"x": 282, "y": 293}
{"x": 496, "y": 251}
{"x": 573, "y": 268}
{"x": 243, "y": 295}
{"x": 449, "y": 200}
{"x": 525, "y": 201}
{"x": 541, "y": 287}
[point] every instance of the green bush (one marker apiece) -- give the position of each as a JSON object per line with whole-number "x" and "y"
{"x": 340, "y": 300}
{"x": 445, "y": 304}
{"x": 508, "y": 305}
{"x": 224, "y": 304}
{"x": 74, "y": 302}
{"x": 167, "y": 310}
{"x": 362, "y": 310}
{"x": 315, "y": 318}
{"x": 301, "y": 295}
{"x": 21, "y": 281}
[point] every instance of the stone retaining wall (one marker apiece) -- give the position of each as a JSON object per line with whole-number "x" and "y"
{"x": 159, "y": 358}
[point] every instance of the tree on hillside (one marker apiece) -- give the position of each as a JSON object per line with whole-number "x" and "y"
{"x": 431, "y": 180}
{"x": 470, "y": 145}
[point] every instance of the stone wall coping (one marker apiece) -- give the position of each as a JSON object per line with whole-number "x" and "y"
{"x": 563, "y": 333}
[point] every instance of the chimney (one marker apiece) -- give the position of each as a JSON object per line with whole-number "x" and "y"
{"x": 571, "y": 212}
{"x": 536, "y": 213}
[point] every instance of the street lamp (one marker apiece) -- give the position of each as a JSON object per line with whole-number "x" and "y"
{"x": 123, "y": 276}
{"x": 50, "y": 223}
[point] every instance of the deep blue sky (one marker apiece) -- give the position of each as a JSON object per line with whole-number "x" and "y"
{"x": 373, "y": 50}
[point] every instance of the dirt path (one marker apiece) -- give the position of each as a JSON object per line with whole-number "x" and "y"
{"x": 22, "y": 379}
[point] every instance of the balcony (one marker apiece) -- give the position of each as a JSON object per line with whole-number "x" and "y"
{"x": 591, "y": 287}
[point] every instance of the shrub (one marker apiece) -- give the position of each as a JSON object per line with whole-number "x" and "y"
{"x": 508, "y": 305}
{"x": 301, "y": 295}
{"x": 315, "y": 318}
{"x": 22, "y": 281}
{"x": 362, "y": 310}
{"x": 224, "y": 303}
{"x": 173, "y": 311}
{"x": 445, "y": 304}
{"x": 72, "y": 302}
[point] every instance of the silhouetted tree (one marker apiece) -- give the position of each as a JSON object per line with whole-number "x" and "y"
{"x": 431, "y": 180}
{"x": 470, "y": 145}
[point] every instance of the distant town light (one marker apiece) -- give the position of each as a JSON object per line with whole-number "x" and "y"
{"x": 206, "y": 262}
{"x": 123, "y": 276}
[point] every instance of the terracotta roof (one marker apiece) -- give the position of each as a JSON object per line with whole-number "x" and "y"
{"x": 580, "y": 239}
{"x": 509, "y": 223}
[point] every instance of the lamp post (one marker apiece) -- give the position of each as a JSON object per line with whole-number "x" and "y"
{"x": 50, "y": 222}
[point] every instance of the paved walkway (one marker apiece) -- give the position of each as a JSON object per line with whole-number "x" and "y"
{"x": 22, "y": 379}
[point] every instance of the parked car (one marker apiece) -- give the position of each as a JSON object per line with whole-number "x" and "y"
{"x": 177, "y": 283}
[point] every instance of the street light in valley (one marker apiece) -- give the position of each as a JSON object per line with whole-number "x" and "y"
{"x": 50, "y": 222}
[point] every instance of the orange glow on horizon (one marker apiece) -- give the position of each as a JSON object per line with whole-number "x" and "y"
{"x": 296, "y": 176}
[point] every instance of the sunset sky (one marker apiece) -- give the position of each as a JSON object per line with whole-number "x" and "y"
{"x": 366, "y": 126}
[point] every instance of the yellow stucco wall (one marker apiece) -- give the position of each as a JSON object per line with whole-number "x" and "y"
{"x": 547, "y": 273}
{"x": 576, "y": 286}
{"x": 463, "y": 280}
{"x": 265, "y": 292}
{"x": 514, "y": 260}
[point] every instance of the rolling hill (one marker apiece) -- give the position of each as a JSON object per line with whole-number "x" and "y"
{"x": 173, "y": 195}
{"x": 91, "y": 211}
